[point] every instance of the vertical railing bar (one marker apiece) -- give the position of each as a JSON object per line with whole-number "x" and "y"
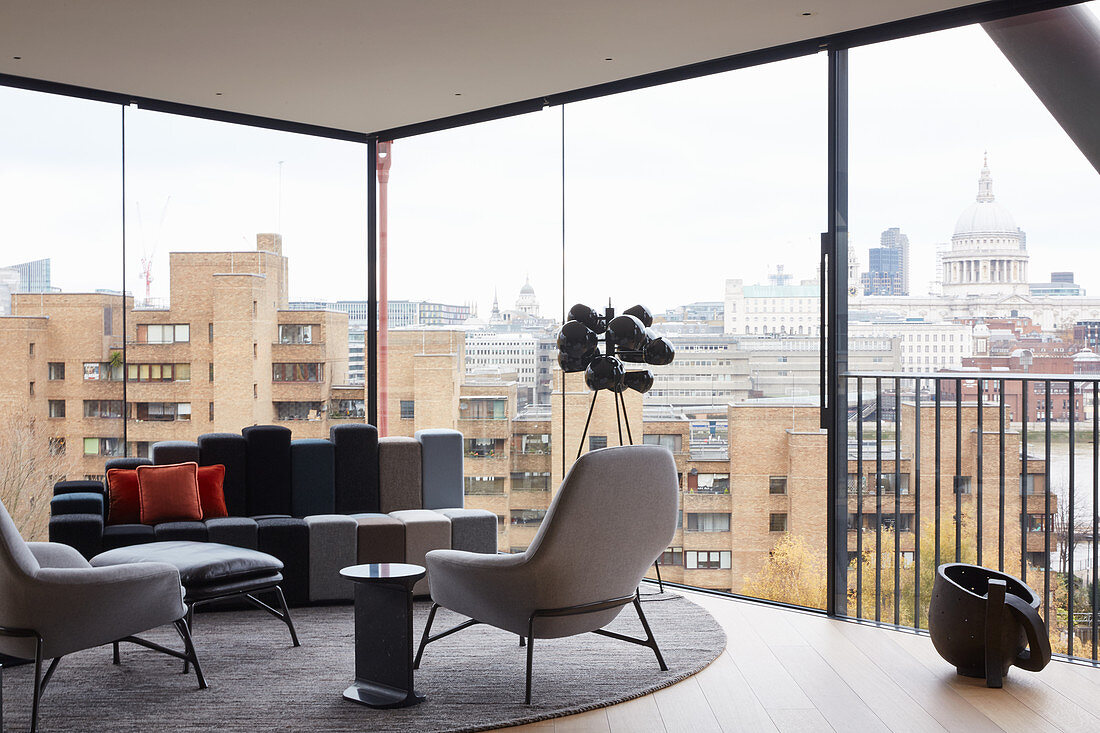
{"x": 981, "y": 445}
{"x": 859, "y": 497}
{"x": 938, "y": 457}
{"x": 1046, "y": 507}
{"x": 897, "y": 501}
{"x": 1070, "y": 578}
{"x": 1025, "y": 387}
{"x": 958, "y": 469}
{"x": 1001, "y": 477}
{"x": 878, "y": 498}
{"x": 916, "y": 504}
{"x": 1095, "y": 513}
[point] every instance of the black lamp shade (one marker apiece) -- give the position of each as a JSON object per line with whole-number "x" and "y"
{"x": 626, "y": 332}
{"x": 576, "y": 363}
{"x": 639, "y": 381}
{"x": 576, "y": 339}
{"x": 641, "y": 313}
{"x": 605, "y": 372}
{"x": 589, "y": 317}
{"x": 659, "y": 352}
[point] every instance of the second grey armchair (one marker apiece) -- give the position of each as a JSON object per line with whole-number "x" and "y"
{"x": 614, "y": 514}
{"x": 53, "y": 603}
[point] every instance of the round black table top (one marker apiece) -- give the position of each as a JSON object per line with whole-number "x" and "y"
{"x": 383, "y": 571}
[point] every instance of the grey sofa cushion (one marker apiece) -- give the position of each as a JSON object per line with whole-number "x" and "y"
{"x": 441, "y": 468}
{"x": 399, "y": 473}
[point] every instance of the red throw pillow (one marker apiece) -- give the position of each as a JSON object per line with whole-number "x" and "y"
{"x": 123, "y": 506}
{"x": 211, "y": 494}
{"x": 169, "y": 493}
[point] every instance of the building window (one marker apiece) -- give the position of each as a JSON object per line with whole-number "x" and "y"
{"x": 56, "y": 370}
{"x": 707, "y": 560}
{"x": 528, "y": 517}
{"x": 211, "y": 412}
{"x": 347, "y": 408}
{"x": 708, "y": 483}
{"x": 161, "y": 411}
{"x": 31, "y": 388}
{"x": 596, "y": 442}
{"x": 295, "y": 334}
{"x": 530, "y": 480}
{"x": 297, "y": 372}
{"x": 108, "y": 320}
{"x": 31, "y": 349}
{"x": 533, "y": 444}
{"x": 408, "y": 411}
{"x": 484, "y": 485}
{"x": 672, "y": 556}
{"x": 103, "y": 446}
{"x": 708, "y": 522}
{"x": 211, "y": 370}
{"x": 156, "y": 333}
{"x": 57, "y": 408}
{"x": 210, "y": 332}
{"x": 777, "y": 484}
{"x": 57, "y": 446}
{"x": 159, "y": 372}
{"x": 962, "y": 484}
{"x": 483, "y": 447}
{"x": 471, "y": 408}
{"x": 299, "y": 410}
{"x": 672, "y": 442}
{"x": 103, "y": 408}
{"x": 777, "y": 522}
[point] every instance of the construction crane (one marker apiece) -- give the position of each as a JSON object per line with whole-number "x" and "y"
{"x": 147, "y": 253}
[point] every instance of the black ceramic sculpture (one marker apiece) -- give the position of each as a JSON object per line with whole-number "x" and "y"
{"x": 983, "y": 622}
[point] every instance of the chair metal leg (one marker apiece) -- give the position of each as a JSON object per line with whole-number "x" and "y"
{"x": 114, "y": 656}
{"x": 286, "y": 615}
{"x": 523, "y": 641}
{"x": 660, "y": 583}
{"x": 530, "y": 656}
{"x": 650, "y": 639}
{"x": 424, "y": 638}
{"x": 37, "y": 688}
{"x": 189, "y": 650}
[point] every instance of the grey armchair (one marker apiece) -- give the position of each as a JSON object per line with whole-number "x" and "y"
{"x": 53, "y": 603}
{"x": 613, "y": 516}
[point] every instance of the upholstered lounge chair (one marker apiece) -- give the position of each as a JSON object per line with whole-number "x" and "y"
{"x": 613, "y": 516}
{"x": 53, "y": 603}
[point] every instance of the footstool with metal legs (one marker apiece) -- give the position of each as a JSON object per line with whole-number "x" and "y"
{"x": 212, "y": 572}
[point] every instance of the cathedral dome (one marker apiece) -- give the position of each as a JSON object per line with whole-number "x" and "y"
{"x": 985, "y": 215}
{"x": 527, "y": 289}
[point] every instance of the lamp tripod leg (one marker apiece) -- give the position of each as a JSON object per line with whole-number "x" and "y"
{"x": 580, "y": 448}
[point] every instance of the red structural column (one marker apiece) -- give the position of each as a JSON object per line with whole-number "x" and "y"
{"x": 382, "y": 165}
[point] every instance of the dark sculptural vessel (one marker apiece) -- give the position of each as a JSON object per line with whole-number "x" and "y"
{"x": 983, "y": 622}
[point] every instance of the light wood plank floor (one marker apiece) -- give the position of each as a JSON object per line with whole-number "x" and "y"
{"x": 790, "y": 671}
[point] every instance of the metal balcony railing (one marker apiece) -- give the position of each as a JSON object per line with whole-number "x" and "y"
{"x": 999, "y": 469}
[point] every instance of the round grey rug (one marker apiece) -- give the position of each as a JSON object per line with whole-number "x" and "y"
{"x": 474, "y": 680}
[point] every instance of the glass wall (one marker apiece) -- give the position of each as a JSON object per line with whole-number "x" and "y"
{"x": 973, "y": 258}
{"x": 61, "y": 305}
{"x": 473, "y": 257}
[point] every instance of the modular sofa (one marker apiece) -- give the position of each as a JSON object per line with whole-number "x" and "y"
{"x": 317, "y": 505}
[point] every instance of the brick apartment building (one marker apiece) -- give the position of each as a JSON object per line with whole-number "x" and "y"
{"x": 225, "y": 354}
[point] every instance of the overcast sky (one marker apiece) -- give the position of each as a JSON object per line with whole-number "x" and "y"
{"x": 668, "y": 191}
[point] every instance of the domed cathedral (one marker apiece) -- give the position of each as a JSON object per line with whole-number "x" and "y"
{"x": 988, "y": 254}
{"x": 527, "y": 302}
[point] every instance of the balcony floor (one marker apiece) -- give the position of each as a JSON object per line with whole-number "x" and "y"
{"x": 791, "y": 671}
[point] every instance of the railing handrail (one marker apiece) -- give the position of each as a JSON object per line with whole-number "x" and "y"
{"x": 983, "y": 375}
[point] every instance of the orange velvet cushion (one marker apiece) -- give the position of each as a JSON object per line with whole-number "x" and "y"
{"x": 169, "y": 493}
{"x": 122, "y": 496}
{"x": 211, "y": 494}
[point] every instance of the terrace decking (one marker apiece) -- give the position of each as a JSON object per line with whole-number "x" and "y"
{"x": 787, "y": 670}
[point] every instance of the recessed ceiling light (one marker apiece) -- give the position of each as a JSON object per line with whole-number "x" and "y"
{"x": 17, "y": 58}
{"x": 807, "y": 13}
{"x": 609, "y": 59}
{"x": 217, "y": 94}
{"x": 458, "y": 94}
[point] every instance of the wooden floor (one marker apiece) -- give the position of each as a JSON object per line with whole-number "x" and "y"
{"x": 789, "y": 671}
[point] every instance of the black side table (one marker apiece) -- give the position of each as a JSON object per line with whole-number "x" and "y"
{"x": 383, "y": 634}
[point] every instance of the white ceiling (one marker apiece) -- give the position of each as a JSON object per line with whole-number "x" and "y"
{"x": 368, "y": 65}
